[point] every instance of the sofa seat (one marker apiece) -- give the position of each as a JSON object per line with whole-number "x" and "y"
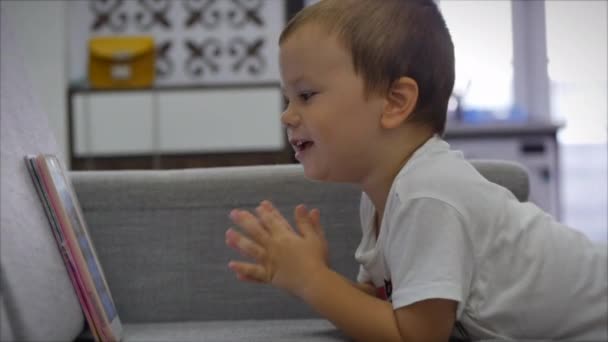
{"x": 229, "y": 331}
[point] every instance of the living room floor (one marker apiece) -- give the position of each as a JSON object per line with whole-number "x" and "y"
{"x": 584, "y": 188}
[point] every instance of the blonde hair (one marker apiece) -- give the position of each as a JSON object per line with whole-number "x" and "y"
{"x": 389, "y": 39}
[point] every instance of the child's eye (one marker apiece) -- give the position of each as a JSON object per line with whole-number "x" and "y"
{"x": 285, "y": 102}
{"x": 305, "y": 96}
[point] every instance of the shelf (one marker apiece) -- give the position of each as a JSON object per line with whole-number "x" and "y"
{"x": 493, "y": 130}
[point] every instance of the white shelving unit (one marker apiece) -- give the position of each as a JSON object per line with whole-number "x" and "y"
{"x": 171, "y": 120}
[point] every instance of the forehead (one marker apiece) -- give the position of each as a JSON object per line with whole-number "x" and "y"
{"x": 312, "y": 48}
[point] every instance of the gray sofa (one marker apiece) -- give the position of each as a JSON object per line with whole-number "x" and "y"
{"x": 160, "y": 239}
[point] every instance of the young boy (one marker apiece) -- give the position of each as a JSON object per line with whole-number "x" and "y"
{"x": 368, "y": 83}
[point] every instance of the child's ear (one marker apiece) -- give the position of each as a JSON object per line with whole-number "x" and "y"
{"x": 400, "y": 102}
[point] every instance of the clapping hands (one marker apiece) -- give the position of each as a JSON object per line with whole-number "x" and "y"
{"x": 280, "y": 255}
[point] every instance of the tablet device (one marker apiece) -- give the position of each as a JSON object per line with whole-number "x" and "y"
{"x": 76, "y": 247}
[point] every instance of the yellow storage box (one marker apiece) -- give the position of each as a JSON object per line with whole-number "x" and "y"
{"x": 121, "y": 62}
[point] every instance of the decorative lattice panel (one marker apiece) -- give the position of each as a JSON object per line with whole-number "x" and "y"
{"x": 197, "y": 41}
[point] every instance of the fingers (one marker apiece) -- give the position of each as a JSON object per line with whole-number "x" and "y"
{"x": 315, "y": 218}
{"x": 247, "y": 279}
{"x": 250, "y": 224}
{"x": 244, "y": 245}
{"x": 272, "y": 218}
{"x": 249, "y": 272}
{"x": 275, "y": 222}
{"x": 303, "y": 221}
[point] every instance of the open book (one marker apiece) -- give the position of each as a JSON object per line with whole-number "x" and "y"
{"x": 70, "y": 230}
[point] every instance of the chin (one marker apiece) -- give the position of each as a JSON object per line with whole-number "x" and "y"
{"x": 312, "y": 175}
{"x": 322, "y": 175}
{"x": 315, "y": 174}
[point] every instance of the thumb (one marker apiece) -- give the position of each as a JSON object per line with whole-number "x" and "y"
{"x": 303, "y": 221}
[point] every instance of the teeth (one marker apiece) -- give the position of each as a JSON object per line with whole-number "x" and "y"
{"x": 299, "y": 143}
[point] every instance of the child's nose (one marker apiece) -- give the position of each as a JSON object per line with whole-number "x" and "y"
{"x": 290, "y": 118}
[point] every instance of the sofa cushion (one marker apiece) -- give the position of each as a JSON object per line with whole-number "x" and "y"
{"x": 229, "y": 331}
{"x": 37, "y": 299}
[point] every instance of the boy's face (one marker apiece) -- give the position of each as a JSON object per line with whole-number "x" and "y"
{"x": 331, "y": 124}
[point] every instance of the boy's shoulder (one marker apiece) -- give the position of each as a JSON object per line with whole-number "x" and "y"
{"x": 445, "y": 175}
{"x": 435, "y": 165}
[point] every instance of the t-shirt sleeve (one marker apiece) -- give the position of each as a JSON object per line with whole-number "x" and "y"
{"x": 429, "y": 253}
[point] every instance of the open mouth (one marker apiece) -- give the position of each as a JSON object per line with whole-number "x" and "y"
{"x": 302, "y": 145}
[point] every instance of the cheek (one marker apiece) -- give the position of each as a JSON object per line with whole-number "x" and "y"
{"x": 346, "y": 145}
{"x": 360, "y": 126}
{"x": 347, "y": 127}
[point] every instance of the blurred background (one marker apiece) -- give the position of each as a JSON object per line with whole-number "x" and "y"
{"x": 531, "y": 86}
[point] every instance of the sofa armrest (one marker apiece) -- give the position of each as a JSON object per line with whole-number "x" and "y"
{"x": 160, "y": 237}
{"x": 508, "y": 174}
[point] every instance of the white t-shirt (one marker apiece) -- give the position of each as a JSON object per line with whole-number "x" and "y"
{"x": 516, "y": 273}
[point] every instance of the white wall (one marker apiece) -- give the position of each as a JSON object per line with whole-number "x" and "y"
{"x": 40, "y": 28}
{"x": 577, "y": 36}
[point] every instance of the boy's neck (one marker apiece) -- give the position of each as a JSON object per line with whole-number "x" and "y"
{"x": 378, "y": 184}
